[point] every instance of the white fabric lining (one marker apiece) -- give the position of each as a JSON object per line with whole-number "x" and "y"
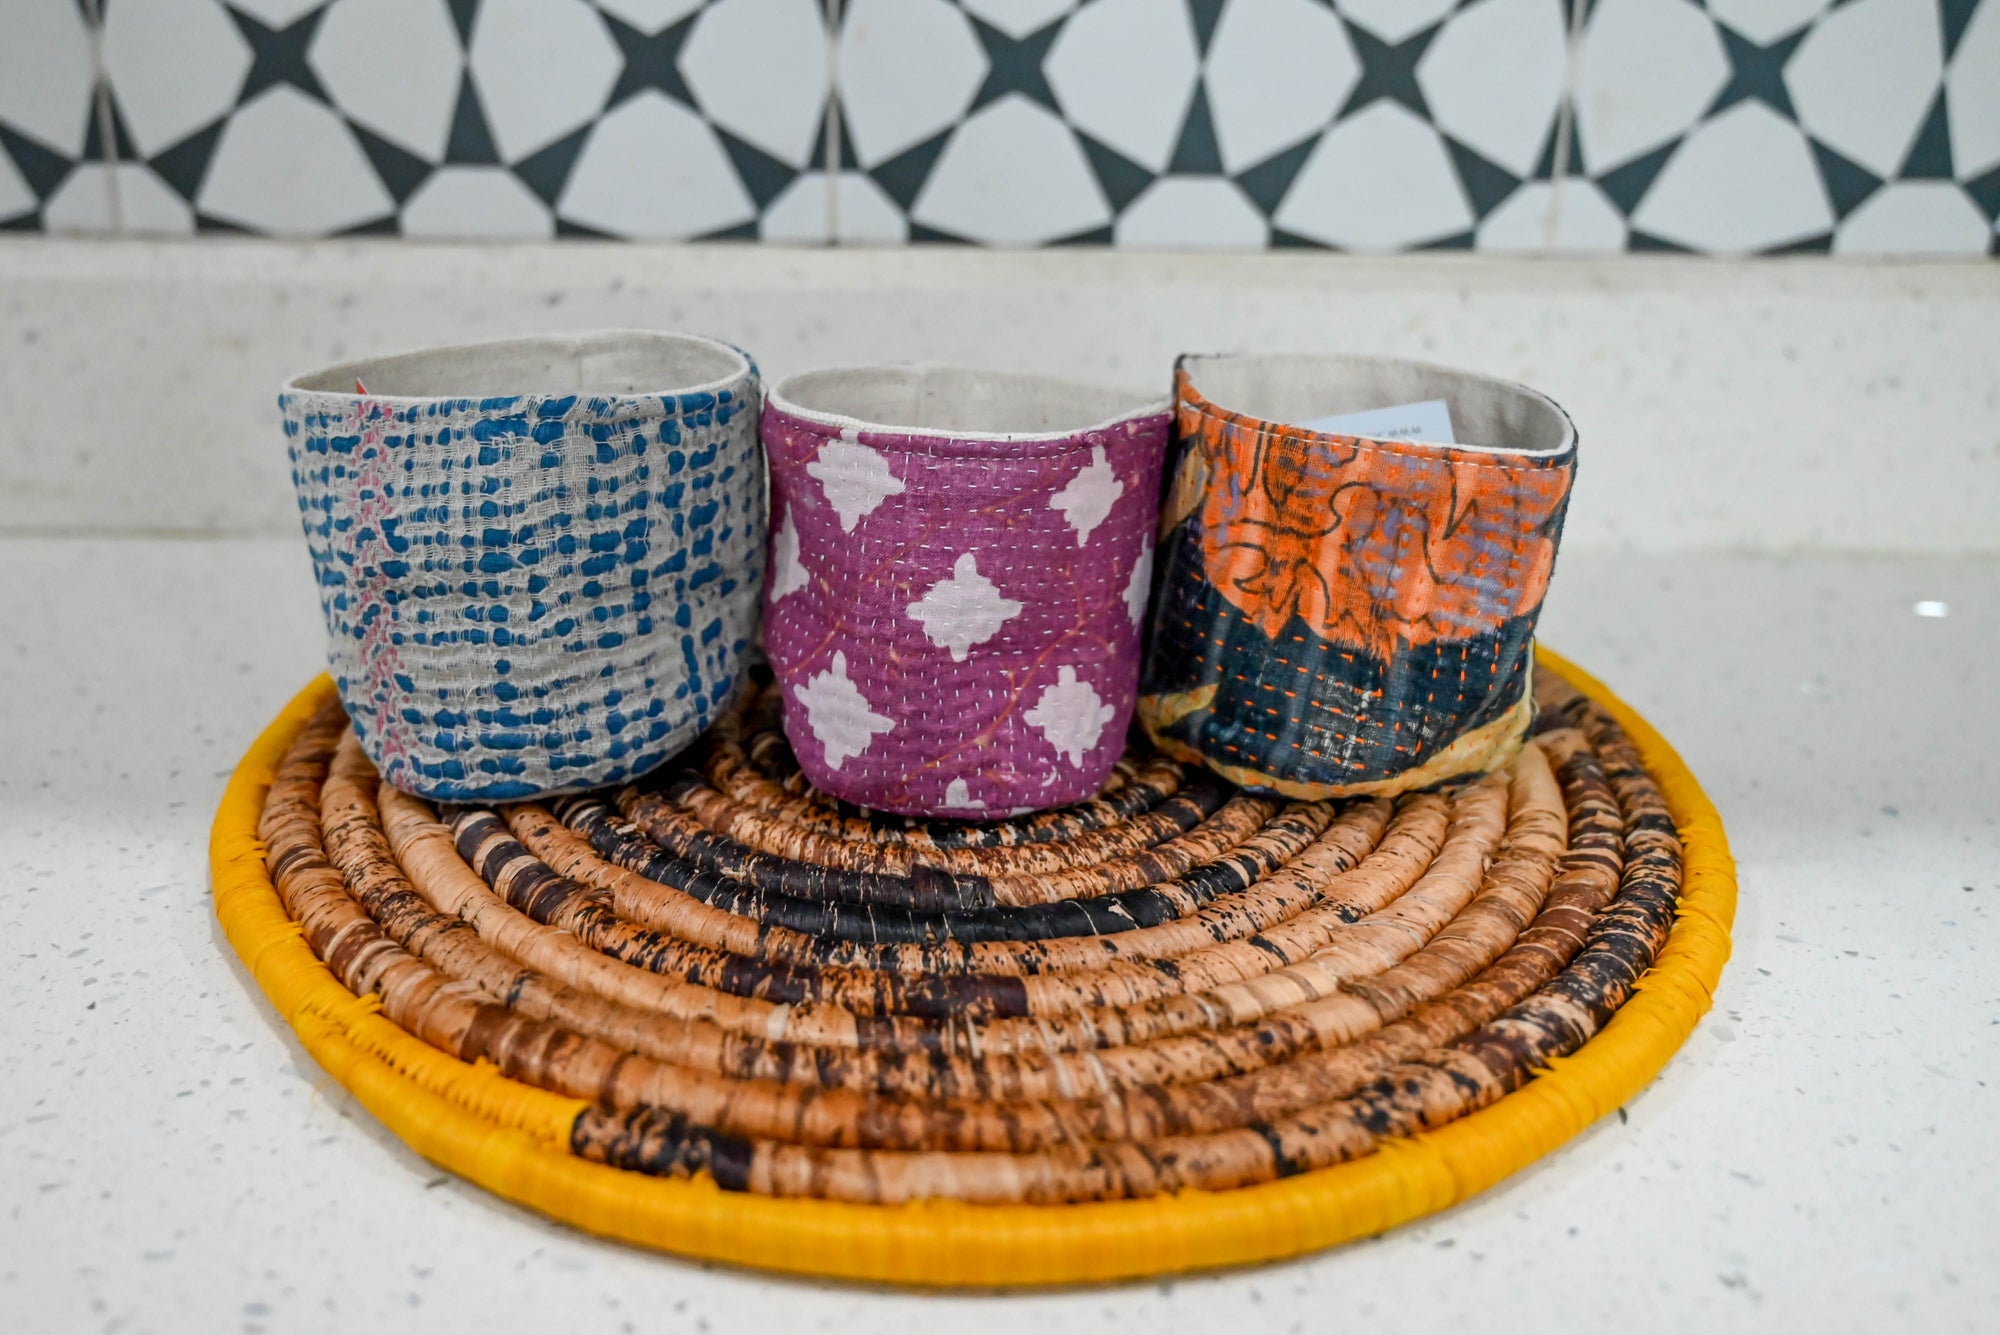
{"x": 957, "y": 401}
{"x": 1495, "y": 416}
{"x": 607, "y": 362}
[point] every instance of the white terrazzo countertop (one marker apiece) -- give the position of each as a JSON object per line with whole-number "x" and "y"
{"x": 1820, "y": 1156}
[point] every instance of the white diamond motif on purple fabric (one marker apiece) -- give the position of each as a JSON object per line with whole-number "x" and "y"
{"x": 855, "y": 478}
{"x": 788, "y": 573}
{"x": 963, "y": 611}
{"x": 1071, "y": 715}
{"x": 838, "y": 715}
{"x": 1088, "y": 498}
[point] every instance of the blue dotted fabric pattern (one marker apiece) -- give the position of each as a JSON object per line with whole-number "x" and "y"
{"x": 536, "y": 593}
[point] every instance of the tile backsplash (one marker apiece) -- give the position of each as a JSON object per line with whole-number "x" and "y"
{"x": 1868, "y": 127}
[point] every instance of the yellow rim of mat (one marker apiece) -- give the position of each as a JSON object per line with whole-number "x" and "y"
{"x": 512, "y": 1138}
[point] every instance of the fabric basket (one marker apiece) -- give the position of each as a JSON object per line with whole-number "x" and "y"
{"x": 960, "y": 564}
{"x": 1337, "y": 614}
{"x": 538, "y": 559}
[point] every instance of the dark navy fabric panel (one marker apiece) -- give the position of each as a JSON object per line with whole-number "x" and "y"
{"x": 1305, "y": 709}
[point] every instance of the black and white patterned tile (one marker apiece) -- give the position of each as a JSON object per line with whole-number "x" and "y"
{"x": 1721, "y": 126}
{"x": 49, "y": 127}
{"x": 1373, "y": 126}
{"x": 1972, "y": 106}
{"x": 1761, "y": 126}
{"x": 472, "y": 118}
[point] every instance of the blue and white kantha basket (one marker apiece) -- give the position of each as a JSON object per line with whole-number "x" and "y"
{"x": 539, "y": 559}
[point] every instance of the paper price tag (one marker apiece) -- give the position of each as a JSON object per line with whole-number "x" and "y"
{"x": 1428, "y": 421}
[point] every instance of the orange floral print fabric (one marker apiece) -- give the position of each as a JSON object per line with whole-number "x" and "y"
{"x": 1369, "y": 543}
{"x": 1335, "y": 615}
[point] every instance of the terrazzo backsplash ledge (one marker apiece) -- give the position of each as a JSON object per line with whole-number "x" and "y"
{"x": 1767, "y": 405}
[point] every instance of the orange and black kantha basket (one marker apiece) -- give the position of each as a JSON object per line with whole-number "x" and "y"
{"x": 1177, "y": 1026}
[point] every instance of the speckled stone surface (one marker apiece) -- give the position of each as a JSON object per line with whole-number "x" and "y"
{"x": 1766, "y": 404}
{"x": 1816, "y": 1158}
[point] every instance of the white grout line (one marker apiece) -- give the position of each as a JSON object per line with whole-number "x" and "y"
{"x": 1565, "y": 126}
{"x": 105, "y": 123}
{"x": 832, "y": 132}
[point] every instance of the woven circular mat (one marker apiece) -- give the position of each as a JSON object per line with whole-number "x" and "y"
{"x": 1178, "y": 1026}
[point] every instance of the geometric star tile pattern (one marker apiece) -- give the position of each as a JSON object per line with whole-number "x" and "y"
{"x": 1716, "y": 126}
{"x": 1789, "y": 126}
{"x": 446, "y": 118}
{"x": 48, "y": 104}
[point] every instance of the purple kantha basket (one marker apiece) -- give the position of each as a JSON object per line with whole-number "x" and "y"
{"x": 960, "y": 563}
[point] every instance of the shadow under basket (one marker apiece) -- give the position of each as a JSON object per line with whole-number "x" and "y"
{"x": 1176, "y": 1027}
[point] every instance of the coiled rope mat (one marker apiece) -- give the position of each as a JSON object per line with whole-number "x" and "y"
{"x": 1179, "y": 1026}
